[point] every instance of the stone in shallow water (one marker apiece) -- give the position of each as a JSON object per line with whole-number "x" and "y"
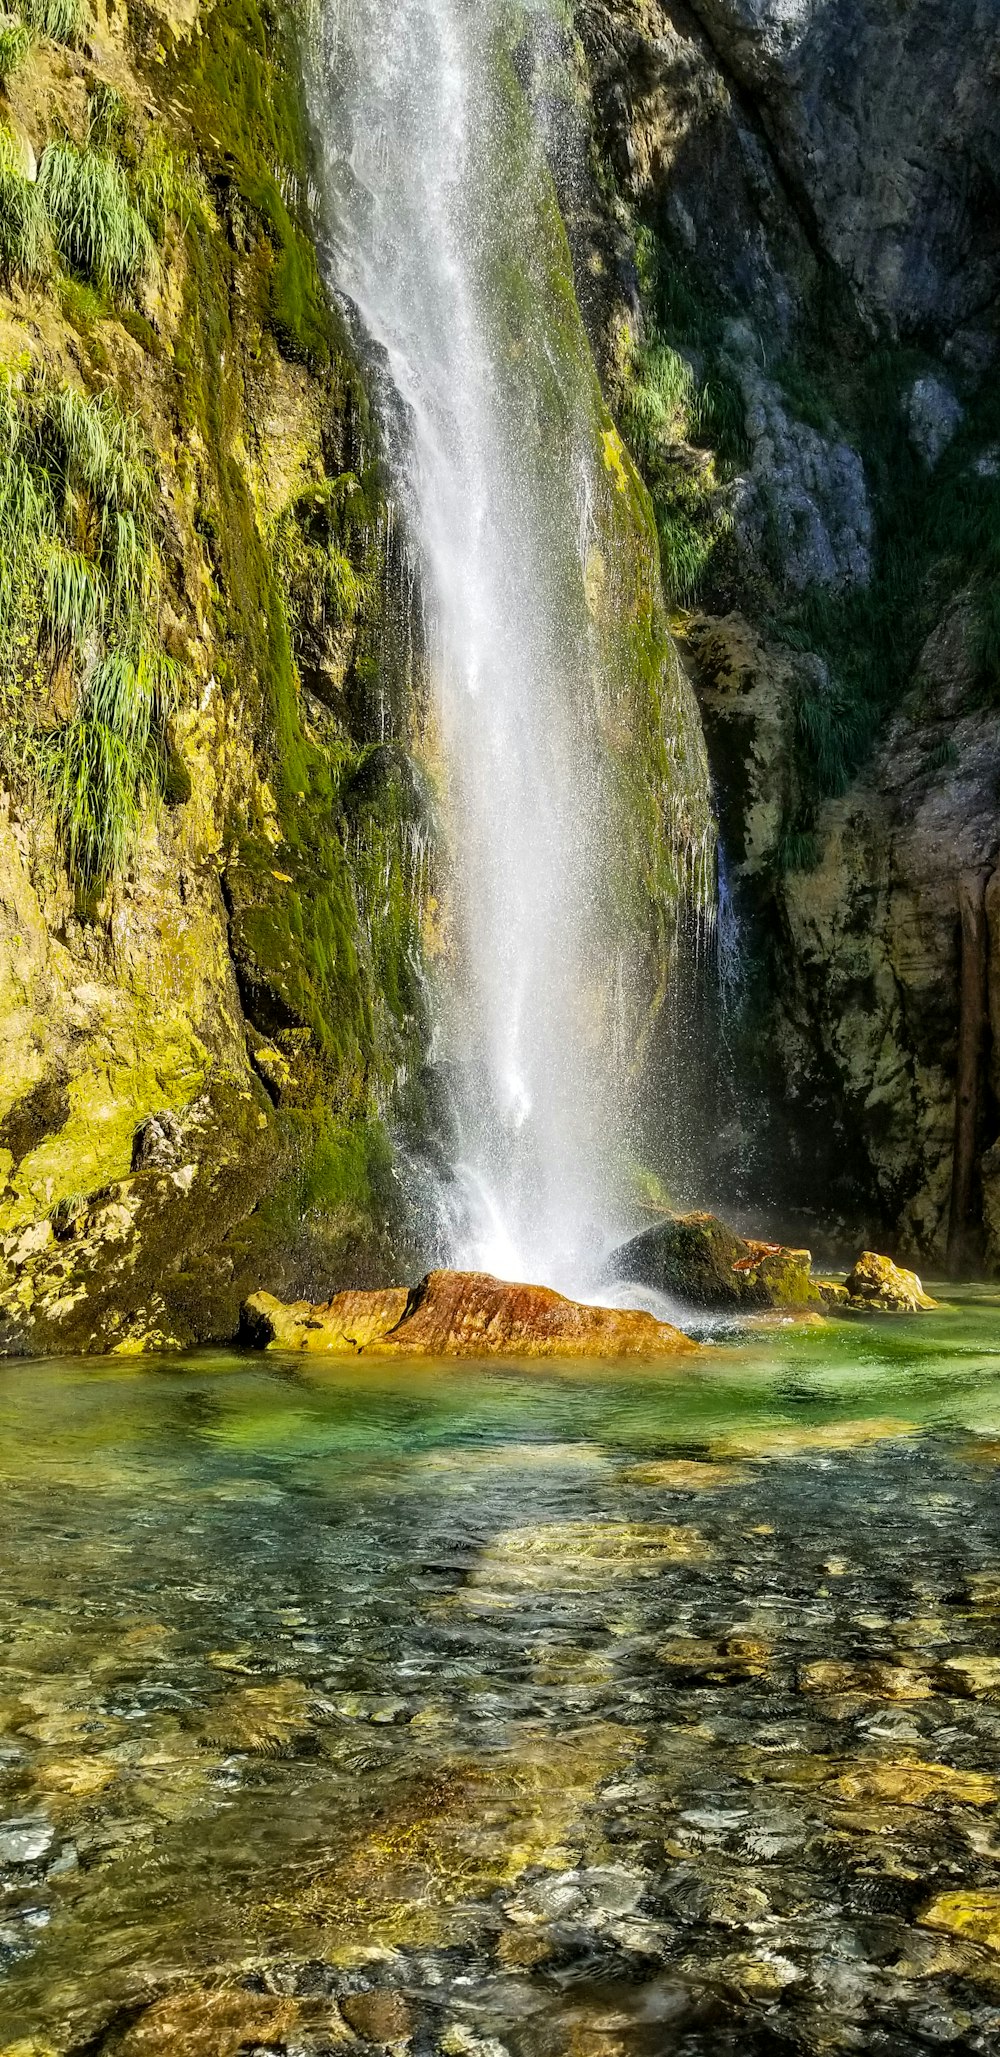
{"x": 209, "y": 2024}
{"x": 911, "y": 1783}
{"x": 683, "y": 1475}
{"x": 458, "y": 1314}
{"x": 380, "y": 2016}
{"x": 699, "y": 1259}
{"x": 567, "y": 1555}
{"x": 979, "y": 1676}
{"x": 729, "y": 1660}
{"x": 974, "y": 1915}
{"x": 80, "y": 1777}
{"x": 24, "y": 1842}
{"x": 269, "y": 1720}
{"x": 783, "y": 1439}
{"x": 876, "y": 1285}
{"x": 881, "y": 1681}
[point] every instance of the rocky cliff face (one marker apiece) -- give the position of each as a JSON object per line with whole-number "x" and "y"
{"x": 216, "y": 873}
{"x": 213, "y": 842}
{"x": 805, "y": 357}
{"x": 218, "y": 887}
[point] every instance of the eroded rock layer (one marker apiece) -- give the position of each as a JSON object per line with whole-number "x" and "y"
{"x": 458, "y": 1314}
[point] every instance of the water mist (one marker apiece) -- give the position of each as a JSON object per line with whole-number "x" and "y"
{"x": 568, "y": 784}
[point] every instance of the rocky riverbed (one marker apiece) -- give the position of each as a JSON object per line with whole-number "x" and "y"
{"x": 591, "y": 1711}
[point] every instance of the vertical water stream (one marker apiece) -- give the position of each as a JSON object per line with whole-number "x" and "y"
{"x": 448, "y": 245}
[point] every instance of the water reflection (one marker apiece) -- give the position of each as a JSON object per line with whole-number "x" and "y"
{"x": 580, "y": 1711}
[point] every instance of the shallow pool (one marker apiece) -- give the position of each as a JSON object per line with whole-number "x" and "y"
{"x": 457, "y": 1708}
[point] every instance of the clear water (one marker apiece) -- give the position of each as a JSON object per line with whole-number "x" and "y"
{"x": 569, "y": 1711}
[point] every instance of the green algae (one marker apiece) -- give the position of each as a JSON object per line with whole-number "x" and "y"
{"x": 93, "y": 1147}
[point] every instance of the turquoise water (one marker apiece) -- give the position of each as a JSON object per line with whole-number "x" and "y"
{"x": 564, "y": 1710}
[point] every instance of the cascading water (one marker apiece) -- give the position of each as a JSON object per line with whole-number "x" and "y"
{"x": 543, "y": 636}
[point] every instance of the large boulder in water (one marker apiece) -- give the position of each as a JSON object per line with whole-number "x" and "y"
{"x": 699, "y": 1259}
{"x": 879, "y": 1285}
{"x": 458, "y": 1314}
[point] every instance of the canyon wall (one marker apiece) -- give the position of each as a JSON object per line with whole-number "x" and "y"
{"x": 211, "y": 1009}
{"x": 797, "y": 287}
{"x": 222, "y": 893}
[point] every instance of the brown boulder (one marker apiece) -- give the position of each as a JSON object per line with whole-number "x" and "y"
{"x": 876, "y": 1283}
{"x": 458, "y": 1314}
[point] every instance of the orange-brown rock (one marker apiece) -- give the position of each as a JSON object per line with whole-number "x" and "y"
{"x": 458, "y": 1314}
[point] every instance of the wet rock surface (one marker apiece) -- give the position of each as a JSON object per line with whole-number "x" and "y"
{"x": 458, "y": 1314}
{"x": 536, "y": 1716}
{"x": 701, "y": 1260}
{"x": 883, "y": 1287}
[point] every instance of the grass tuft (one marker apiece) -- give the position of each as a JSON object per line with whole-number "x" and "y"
{"x": 24, "y": 242}
{"x": 73, "y": 596}
{"x": 683, "y": 418}
{"x": 169, "y": 185}
{"x": 107, "y": 117}
{"x": 62, "y": 21}
{"x": 15, "y": 45}
{"x": 79, "y": 577}
{"x": 99, "y": 231}
{"x": 326, "y": 589}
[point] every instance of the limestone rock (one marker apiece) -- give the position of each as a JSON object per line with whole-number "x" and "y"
{"x": 884, "y": 1288}
{"x": 975, "y": 1915}
{"x": 807, "y": 492}
{"x": 864, "y": 1030}
{"x": 457, "y": 1314}
{"x": 881, "y": 118}
{"x": 699, "y": 1259}
{"x": 351, "y": 1321}
{"x": 833, "y": 1291}
{"x": 934, "y": 416}
{"x": 158, "y": 1143}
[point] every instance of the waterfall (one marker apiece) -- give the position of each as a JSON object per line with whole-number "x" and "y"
{"x": 569, "y": 761}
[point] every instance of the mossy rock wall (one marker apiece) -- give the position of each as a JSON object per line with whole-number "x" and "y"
{"x": 797, "y": 291}
{"x": 249, "y": 977}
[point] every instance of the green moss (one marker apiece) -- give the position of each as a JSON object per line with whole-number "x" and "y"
{"x": 83, "y": 306}
{"x": 239, "y": 79}
{"x": 632, "y": 696}
{"x": 345, "y": 1166}
{"x": 141, "y": 331}
{"x": 323, "y": 921}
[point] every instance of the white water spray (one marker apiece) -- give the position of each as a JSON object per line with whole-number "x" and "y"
{"x": 447, "y": 244}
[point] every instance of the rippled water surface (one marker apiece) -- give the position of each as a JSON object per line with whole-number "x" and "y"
{"x": 467, "y": 1710}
